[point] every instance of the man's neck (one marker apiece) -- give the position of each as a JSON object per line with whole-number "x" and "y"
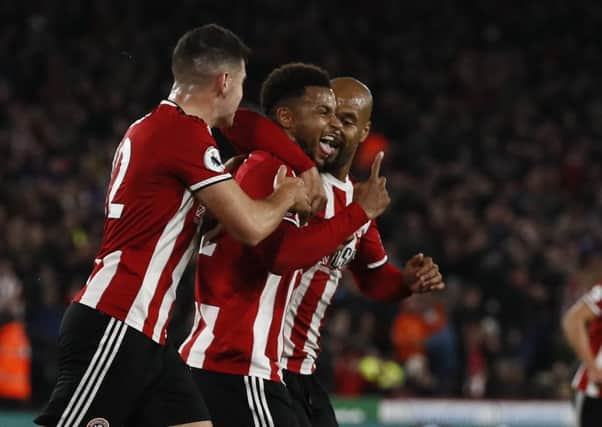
{"x": 194, "y": 103}
{"x": 341, "y": 173}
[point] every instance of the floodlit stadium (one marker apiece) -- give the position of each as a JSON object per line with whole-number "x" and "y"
{"x": 489, "y": 116}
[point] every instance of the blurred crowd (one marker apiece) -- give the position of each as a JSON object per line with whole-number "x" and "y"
{"x": 490, "y": 114}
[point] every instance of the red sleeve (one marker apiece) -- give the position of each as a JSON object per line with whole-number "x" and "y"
{"x": 290, "y": 248}
{"x": 252, "y": 131}
{"x": 192, "y": 156}
{"x": 383, "y": 283}
{"x": 371, "y": 252}
{"x": 374, "y": 276}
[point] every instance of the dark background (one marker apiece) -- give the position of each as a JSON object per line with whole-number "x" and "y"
{"x": 490, "y": 114}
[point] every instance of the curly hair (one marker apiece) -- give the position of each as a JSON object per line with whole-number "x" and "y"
{"x": 289, "y": 81}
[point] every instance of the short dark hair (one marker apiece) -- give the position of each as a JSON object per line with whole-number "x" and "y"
{"x": 289, "y": 81}
{"x": 201, "y": 53}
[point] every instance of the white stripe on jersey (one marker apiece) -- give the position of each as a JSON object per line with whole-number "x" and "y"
{"x": 281, "y": 336}
{"x": 209, "y": 314}
{"x": 329, "y": 209}
{"x": 98, "y": 284}
{"x": 260, "y": 363}
{"x": 313, "y": 334}
{"x": 330, "y": 181}
{"x": 301, "y": 353}
{"x": 161, "y": 254}
{"x": 291, "y": 312}
{"x": 170, "y": 296}
{"x": 377, "y": 264}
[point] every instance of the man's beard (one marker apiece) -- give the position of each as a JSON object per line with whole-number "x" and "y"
{"x": 335, "y": 164}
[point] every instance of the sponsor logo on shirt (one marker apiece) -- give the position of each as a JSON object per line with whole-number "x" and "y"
{"x": 344, "y": 254}
{"x": 213, "y": 161}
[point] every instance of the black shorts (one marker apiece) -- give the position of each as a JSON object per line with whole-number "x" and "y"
{"x": 589, "y": 410}
{"x": 111, "y": 374}
{"x": 310, "y": 401}
{"x": 245, "y": 401}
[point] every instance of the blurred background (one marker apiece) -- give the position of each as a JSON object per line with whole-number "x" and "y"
{"x": 490, "y": 115}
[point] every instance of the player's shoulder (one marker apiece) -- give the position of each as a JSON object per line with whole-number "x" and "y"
{"x": 169, "y": 119}
{"x": 260, "y": 162}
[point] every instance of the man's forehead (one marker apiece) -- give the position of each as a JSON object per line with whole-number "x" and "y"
{"x": 351, "y": 102}
{"x": 319, "y": 95}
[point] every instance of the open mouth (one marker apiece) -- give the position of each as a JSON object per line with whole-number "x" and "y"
{"x": 329, "y": 145}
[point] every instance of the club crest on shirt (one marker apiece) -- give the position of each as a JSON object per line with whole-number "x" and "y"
{"x": 98, "y": 422}
{"x": 213, "y": 160}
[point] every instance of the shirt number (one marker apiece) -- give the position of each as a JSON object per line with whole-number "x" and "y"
{"x": 120, "y": 166}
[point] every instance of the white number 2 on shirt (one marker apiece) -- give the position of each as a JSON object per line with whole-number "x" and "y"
{"x": 120, "y": 164}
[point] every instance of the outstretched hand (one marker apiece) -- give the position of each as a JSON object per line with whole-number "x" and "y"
{"x": 372, "y": 194}
{"x": 422, "y": 275}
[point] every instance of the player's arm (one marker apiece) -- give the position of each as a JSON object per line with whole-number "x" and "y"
{"x": 251, "y": 131}
{"x": 379, "y": 279}
{"x": 574, "y": 326}
{"x": 290, "y": 248}
{"x": 193, "y": 158}
{"x": 248, "y": 220}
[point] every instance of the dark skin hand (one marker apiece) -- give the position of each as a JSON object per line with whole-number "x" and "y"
{"x": 422, "y": 275}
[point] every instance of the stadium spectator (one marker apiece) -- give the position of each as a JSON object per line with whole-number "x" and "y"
{"x": 15, "y": 350}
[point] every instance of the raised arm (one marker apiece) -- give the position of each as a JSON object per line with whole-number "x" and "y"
{"x": 251, "y": 131}
{"x": 291, "y": 248}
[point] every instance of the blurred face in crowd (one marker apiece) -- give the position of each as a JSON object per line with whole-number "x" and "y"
{"x": 354, "y": 107}
{"x": 230, "y": 92}
{"x": 311, "y": 121}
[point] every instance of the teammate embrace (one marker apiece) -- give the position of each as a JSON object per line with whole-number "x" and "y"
{"x": 265, "y": 275}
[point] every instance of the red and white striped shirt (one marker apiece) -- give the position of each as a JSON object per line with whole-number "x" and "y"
{"x": 152, "y": 218}
{"x": 311, "y": 298}
{"x": 581, "y": 382}
{"x": 239, "y": 303}
{"x": 243, "y": 292}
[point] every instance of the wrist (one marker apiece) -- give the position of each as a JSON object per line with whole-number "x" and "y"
{"x": 406, "y": 282}
{"x": 282, "y": 198}
{"x": 359, "y": 211}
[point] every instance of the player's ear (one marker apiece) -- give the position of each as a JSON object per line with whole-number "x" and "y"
{"x": 222, "y": 82}
{"x": 284, "y": 117}
{"x": 365, "y": 131}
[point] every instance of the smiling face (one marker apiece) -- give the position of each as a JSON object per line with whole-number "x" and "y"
{"x": 311, "y": 121}
{"x": 354, "y": 107}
